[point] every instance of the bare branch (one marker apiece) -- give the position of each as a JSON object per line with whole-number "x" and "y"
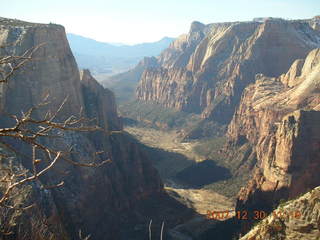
{"x": 14, "y": 63}
{"x": 34, "y": 132}
{"x": 161, "y": 233}
{"x": 150, "y": 231}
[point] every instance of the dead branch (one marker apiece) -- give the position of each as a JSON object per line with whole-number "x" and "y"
{"x": 82, "y": 237}
{"x": 32, "y": 129}
{"x": 29, "y": 130}
{"x": 14, "y": 63}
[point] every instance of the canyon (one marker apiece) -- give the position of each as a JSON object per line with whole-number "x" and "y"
{"x": 261, "y": 79}
{"x": 98, "y": 201}
{"x": 226, "y": 118}
{"x": 206, "y": 70}
{"x": 284, "y": 114}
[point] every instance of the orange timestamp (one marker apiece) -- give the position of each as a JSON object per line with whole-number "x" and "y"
{"x": 219, "y": 215}
{"x": 260, "y": 214}
{"x": 251, "y": 215}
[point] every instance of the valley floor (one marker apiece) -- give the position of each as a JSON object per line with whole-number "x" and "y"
{"x": 167, "y": 140}
{"x": 200, "y": 199}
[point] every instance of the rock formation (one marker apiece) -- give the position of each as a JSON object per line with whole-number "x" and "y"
{"x": 294, "y": 220}
{"x": 315, "y": 23}
{"x": 99, "y": 102}
{"x": 206, "y": 70}
{"x": 280, "y": 118}
{"x": 96, "y": 200}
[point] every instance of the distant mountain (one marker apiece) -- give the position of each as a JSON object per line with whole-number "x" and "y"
{"x": 109, "y": 58}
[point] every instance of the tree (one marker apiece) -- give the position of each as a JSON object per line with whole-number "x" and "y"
{"x": 32, "y": 132}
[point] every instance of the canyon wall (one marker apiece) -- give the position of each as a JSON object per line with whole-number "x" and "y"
{"x": 96, "y": 200}
{"x": 206, "y": 70}
{"x": 280, "y": 118}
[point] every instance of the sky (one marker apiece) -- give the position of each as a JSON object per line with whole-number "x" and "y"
{"x": 137, "y": 21}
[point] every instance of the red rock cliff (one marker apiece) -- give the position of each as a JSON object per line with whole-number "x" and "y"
{"x": 280, "y": 118}
{"x": 206, "y": 70}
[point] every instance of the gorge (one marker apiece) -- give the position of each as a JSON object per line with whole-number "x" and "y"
{"x": 226, "y": 118}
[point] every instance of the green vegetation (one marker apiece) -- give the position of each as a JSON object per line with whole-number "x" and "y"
{"x": 230, "y": 187}
{"x": 209, "y": 148}
{"x": 155, "y": 115}
{"x": 236, "y": 165}
{"x": 178, "y": 165}
{"x": 240, "y": 162}
{"x": 205, "y": 129}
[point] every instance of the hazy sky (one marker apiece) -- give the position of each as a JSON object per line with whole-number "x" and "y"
{"x": 135, "y": 21}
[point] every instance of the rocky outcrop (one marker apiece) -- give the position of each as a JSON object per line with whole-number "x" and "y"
{"x": 294, "y": 220}
{"x": 315, "y": 23}
{"x": 99, "y": 102}
{"x": 53, "y": 64}
{"x": 279, "y": 117}
{"x": 96, "y": 200}
{"x": 206, "y": 70}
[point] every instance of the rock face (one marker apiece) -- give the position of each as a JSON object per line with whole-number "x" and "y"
{"x": 206, "y": 70}
{"x": 280, "y": 118}
{"x": 315, "y": 23}
{"x": 53, "y": 64}
{"x": 99, "y": 102}
{"x": 297, "y": 219}
{"x": 96, "y": 200}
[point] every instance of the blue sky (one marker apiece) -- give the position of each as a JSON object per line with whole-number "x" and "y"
{"x": 136, "y": 21}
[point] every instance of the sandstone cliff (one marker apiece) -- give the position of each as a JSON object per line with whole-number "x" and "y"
{"x": 279, "y": 117}
{"x": 206, "y": 70}
{"x": 95, "y": 200}
{"x": 99, "y": 102}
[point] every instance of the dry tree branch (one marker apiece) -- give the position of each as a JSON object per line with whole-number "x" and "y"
{"x": 150, "y": 231}
{"x": 14, "y": 63}
{"x": 161, "y": 233}
{"x": 11, "y": 186}
{"x": 82, "y": 237}
{"x": 30, "y": 131}
{"x": 33, "y": 132}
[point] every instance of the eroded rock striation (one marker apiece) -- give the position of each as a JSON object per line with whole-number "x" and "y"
{"x": 280, "y": 118}
{"x": 98, "y": 201}
{"x": 206, "y": 70}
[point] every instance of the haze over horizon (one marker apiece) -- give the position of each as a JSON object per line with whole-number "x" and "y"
{"x": 132, "y": 22}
